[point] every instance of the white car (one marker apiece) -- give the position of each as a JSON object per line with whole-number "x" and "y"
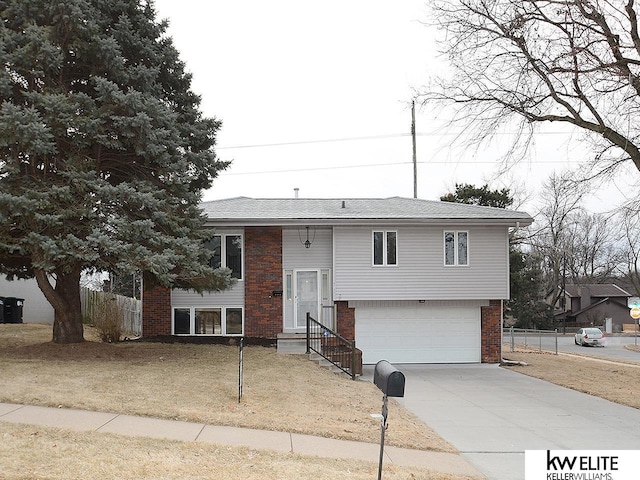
{"x": 590, "y": 336}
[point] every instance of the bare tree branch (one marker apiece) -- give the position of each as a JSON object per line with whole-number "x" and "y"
{"x": 575, "y": 62}
{"x": 629, "y": 266}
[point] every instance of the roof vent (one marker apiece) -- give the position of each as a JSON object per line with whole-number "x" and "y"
{"x": 296, "y": 191}
{"x": 344, "y": 204}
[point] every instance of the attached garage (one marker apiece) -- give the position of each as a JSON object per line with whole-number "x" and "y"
{"x": 413, "y": 332}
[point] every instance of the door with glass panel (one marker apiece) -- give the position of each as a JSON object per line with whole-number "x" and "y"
{"x": 306, "y": 295}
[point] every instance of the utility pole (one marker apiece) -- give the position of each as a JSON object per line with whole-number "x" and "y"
{"x": 413, "y": 138}
{"x": 563, "y": 300}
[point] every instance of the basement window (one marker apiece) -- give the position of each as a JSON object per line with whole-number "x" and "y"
{"x": 222, "y": 321}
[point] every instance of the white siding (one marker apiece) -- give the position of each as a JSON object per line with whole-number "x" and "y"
{"x": 421, "y": 273}
{"x": 188, "y": 298}
{"x": 382, "y": 304}
{"x": 37, "y": 308}
{"x": 296, "y": 256}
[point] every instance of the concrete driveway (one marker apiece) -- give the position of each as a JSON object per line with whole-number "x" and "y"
{"x": 492, "y": 415}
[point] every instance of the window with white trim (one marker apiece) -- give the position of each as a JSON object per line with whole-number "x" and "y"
{"x": 289, "y": 286}
{"x": 326, "y": 286}
{"x": 456, "y": 248}
{"x": 224, "y": 321}
{"x": 385, "y": 247}
{"x": 226, "y": 251}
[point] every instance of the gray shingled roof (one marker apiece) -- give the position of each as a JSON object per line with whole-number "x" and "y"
{"x": 597, "y": 290}
{"x": 253, "y": 211}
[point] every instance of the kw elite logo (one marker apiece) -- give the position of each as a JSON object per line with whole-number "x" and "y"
{"x": 588, "y": 467}
{"x": 580, "y": 464}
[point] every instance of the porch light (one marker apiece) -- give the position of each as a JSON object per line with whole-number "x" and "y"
{"x": 307, "y": 243}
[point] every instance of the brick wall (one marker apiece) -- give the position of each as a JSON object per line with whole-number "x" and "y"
{"x": 156, "y": 311}
{"x": 491, "y": 331}
{"x": 263, "y": 275}
{"x": 346, "y": 320}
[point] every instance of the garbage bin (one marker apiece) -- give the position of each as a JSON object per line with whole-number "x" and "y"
{"x": 1, "y": 309}
{"x": 13, "y": 309}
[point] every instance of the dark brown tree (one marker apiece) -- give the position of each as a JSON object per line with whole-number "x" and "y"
{"x": 530, "y": 62}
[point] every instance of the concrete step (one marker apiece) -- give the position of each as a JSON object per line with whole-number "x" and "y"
{"x": 292, "y": 343}
{"x": 324, "y": 363}
{"x": 296, "y": 344}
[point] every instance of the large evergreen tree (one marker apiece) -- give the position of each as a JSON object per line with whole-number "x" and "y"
{"x": 472, "y": 195}
{"x": 527, "y": 305}
{"x": 103, "y": 151}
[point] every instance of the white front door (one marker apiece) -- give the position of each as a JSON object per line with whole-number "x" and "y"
{"x": 306, "y": 296}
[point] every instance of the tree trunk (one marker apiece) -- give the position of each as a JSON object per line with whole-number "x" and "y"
{"x": 65, "y": 299}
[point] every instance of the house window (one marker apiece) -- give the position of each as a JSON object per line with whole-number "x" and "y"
{"x": 385, "y": 248}
{"x": 233, "y": 255}
{"x": 214, "y": 244}
{"x": 326, "y": 283}
{"x": 208, "y": 321}
{"x": 289, "y": 288}
{"x": 226, "y": 251}
{"x": 181, "y": 321}
{"x": 456, "y": 248}
{"x": 233, "y": 321}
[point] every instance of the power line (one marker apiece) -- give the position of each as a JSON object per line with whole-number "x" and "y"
{"x": 369, "y": 137}
{"x": 390, "y": 164}
{"x": 293, "y": 170}
{"x": 304, "y": 142}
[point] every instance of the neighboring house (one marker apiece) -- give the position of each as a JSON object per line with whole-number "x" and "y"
{"x": 412, "y": 281}
{"x": 595, "y": 304}
{"x": 36, "y": 308}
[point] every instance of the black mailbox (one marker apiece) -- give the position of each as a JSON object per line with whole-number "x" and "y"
{"x": 388, "y": 379}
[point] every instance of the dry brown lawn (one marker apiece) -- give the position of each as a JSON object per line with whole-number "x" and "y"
{"x": 191, "y": 383}
{"x": 614, "y": 381}
{"x": 35, "y": 452}
{"x": 199, "y": 383}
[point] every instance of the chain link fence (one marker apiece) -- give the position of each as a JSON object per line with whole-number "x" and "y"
{"x": 546, "y": 340}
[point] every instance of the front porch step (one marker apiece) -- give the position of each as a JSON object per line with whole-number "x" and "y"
{"x": 296, "y": 344}
{"x": 326, "y": 364}
{"x": 292, "y": 343}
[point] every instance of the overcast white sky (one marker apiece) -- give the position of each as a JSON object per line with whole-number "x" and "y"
{"x": 331, "y": 82}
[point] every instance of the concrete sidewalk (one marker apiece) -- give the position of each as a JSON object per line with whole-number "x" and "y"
{"x": 81, "y": 420}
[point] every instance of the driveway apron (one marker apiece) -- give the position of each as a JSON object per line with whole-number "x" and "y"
{"x": 492, "y": 415}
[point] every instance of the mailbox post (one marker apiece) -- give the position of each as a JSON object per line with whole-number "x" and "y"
{"x": 390, "y": 381}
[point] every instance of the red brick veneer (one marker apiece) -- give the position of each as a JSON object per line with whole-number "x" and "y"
{"x": 346, "y": 320}
{"x": 263, "y": 276}
{"x": 491, "y": 331}
{"x": 156, "y": 311}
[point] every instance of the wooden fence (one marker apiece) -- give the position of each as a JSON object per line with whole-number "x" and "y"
{"x": 131, "y": 309}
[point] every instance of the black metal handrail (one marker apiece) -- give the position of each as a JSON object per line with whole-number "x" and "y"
{"x": 333, "y": 347}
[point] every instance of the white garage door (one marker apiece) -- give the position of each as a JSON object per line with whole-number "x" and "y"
{"x": 418, "y": 334}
